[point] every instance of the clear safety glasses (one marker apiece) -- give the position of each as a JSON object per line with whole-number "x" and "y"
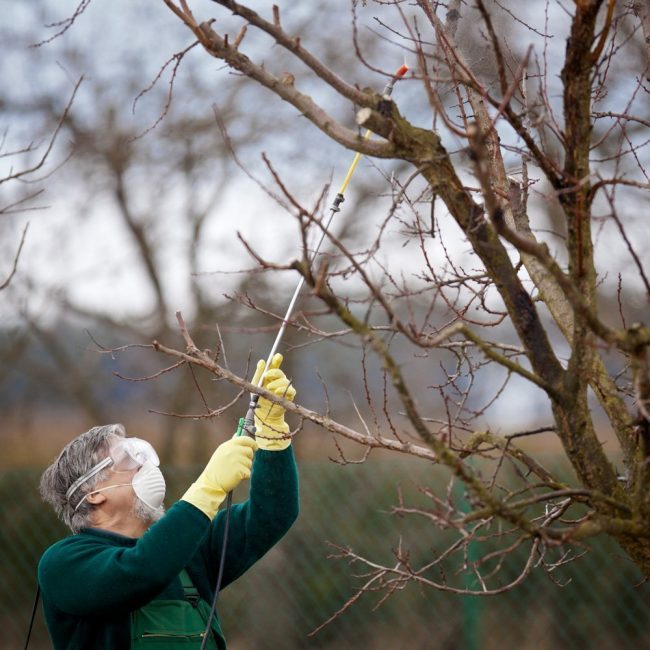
{"x": 127, "y": 454}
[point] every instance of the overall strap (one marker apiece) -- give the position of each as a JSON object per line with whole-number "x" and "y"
{"x": 191, "y": 593}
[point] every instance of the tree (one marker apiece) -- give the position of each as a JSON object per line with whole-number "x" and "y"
{"x": 590, "y": 163}
{"x": 529, "y": 192}
{"x": 24, "y": 164}
{"x": 110, "y": 157}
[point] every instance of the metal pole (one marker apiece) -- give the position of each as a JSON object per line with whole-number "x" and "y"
{"x": 246, "y": 424}
{"x": 338, "y": 199}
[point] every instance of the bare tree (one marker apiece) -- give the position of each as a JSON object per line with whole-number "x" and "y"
{"x": 502, "y": 159}
{"x": 23, "y": 166}
{"x": 155, "y": 175}
{"x": 111, "y": 156}
{"x": 522, "y": 193}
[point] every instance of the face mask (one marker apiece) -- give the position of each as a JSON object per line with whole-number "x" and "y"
{"x": 149, "y": 485}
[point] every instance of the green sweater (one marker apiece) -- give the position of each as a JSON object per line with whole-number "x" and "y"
{"x": 92, "y": 581}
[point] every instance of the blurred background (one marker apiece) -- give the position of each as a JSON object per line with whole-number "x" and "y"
{"x": 136, "y": 213}
{"x": 598, "y": 601}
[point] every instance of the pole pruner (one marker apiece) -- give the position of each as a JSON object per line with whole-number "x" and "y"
{"x": 247, "y": 423}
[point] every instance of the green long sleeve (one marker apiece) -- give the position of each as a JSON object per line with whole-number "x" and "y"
{"x": 255, "y": 525}
{"x": 87, "y": 573}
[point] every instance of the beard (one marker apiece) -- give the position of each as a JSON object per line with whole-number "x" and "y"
{"x": 146, "y": 513}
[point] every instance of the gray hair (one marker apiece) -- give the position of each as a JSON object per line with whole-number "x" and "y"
{"x": 78, "y": 457}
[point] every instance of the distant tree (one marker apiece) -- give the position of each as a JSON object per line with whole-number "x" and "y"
{"x": 22, "y": 166}
{"x": 134, "y": 181}
{"x": 147, "y": 167}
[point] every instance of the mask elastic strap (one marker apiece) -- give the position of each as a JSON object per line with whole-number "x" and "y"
{"x": 108, "y": 487}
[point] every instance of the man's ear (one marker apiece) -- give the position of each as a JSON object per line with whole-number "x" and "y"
{"x": 96, "y": 498}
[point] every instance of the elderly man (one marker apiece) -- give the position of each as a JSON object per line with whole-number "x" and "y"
{"x": 135, "y": 576}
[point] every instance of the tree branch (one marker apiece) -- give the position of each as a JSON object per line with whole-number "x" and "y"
{"x": 6, "y": 283}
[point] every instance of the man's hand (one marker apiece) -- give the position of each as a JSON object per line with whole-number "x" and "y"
{"x": 230, "y": 464}
{"x": 269, "y": 417}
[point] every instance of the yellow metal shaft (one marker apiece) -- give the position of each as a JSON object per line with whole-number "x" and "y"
{"x": 334, "y": 209}
{"x": 387, "y": 91}
{"x": 353, "y": 166}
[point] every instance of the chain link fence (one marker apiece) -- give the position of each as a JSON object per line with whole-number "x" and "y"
{"x": 598, "y": 601}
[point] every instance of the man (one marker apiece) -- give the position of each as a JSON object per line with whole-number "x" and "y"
{"x": 133, "y": 576}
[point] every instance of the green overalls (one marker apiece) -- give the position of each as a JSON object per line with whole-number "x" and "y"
{"x": 175, "y": 624}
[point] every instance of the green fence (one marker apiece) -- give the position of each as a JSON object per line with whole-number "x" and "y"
{"x": 296, "y": 587}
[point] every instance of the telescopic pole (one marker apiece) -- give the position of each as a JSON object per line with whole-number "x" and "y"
{"x": 247, "y": 424}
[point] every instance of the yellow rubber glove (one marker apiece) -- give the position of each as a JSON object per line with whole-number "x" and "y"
{"x": 271, "y": 428}
{"x": 230, "y": 464}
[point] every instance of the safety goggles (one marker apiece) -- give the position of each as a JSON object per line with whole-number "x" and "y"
{"x": 127, "y": 454}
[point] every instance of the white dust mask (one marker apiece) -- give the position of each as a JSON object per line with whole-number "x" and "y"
{"x": 149, "y": 485}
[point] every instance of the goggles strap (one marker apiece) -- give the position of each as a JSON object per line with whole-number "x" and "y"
{"x": 88, "y": 475}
